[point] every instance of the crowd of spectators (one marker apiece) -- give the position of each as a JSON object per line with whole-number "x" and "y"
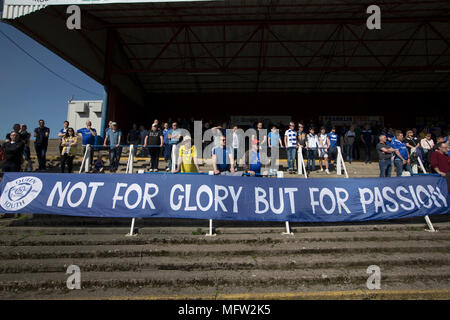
{"x": 394, "y": 148}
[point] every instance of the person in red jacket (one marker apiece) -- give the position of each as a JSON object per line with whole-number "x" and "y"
{"x": 440, "y": 162}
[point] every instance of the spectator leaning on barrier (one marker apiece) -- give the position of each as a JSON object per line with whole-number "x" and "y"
{"x": 69, "y": 145}
{"x": 187, "y": 157}
{"x": 401, "y": 156}
{"x": 155, "y": 140}
{"x": 290, "y": 142}
{"x": 41, "y": 134}
{"x": 88, "y": 135}
{"x": 25, "y": 137}
{"x": 440, "y": 162}
{"x": 312, "y": 145}
{"x": 222, "y": 157}
{"x": 114, "y": 136}
{"x": 385, "y": 153}
{"x": 13, "y": 150}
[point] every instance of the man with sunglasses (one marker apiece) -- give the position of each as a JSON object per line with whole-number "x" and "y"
{"x": 222, "y": 157}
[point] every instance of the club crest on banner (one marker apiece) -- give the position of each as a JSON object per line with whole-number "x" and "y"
{"x": 20, "y": 192}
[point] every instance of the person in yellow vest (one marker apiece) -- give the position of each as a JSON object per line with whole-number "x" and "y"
{"x": 69, "y": 149}
{"x": 187, "y": 157}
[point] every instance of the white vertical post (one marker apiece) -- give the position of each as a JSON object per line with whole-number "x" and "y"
{"x": 84, "y": 159}
{"x": 304, "y": 168}
{"x": 421, "y": 165}
{"x": 210, "y": 233}
{"x": 131, "y": 233}
{"x": 341, "y": 161}
{"x": 280, "y": 174}
{"x": 131, "y": 159}
{"x": 174, "y": 160}
{"x": 338, "y": 162}
{"x": 87, "y": 163}
{"x": 300, "y": 161}
{"x": 427, "y": 219}
{"x": 414, "y": 167}
{"x": 130, "y": 170}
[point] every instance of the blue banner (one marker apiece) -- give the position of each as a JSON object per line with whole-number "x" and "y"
{"x": 223, "y": 197}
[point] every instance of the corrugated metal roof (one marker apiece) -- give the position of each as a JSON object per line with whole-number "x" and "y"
{"x": 258, "y": 45}
{"x": 13, "y": 11}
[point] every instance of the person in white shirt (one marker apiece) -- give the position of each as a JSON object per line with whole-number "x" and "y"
{"x": 324, "y": 144}
{"x": 312, "y": 145}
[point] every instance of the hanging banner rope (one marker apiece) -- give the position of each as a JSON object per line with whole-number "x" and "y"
{"x": 223, "y": 197}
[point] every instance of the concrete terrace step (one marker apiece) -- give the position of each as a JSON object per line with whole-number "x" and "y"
{"x": 282, "y": 262}
{"x": 228, "y": 281}
{"x": 224, "y": 251}
{"x": 39, "y": 239}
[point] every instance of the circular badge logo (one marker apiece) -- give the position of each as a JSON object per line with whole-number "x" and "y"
{"x": 20, "y": 192}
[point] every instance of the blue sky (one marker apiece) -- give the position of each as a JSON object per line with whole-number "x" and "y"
{"x": 29, "y": 92}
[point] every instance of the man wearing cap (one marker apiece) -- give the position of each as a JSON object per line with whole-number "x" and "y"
{"x": 114, "y": 136}
{"x": 187, "y": 157}
{"x": 155, "y": 140}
